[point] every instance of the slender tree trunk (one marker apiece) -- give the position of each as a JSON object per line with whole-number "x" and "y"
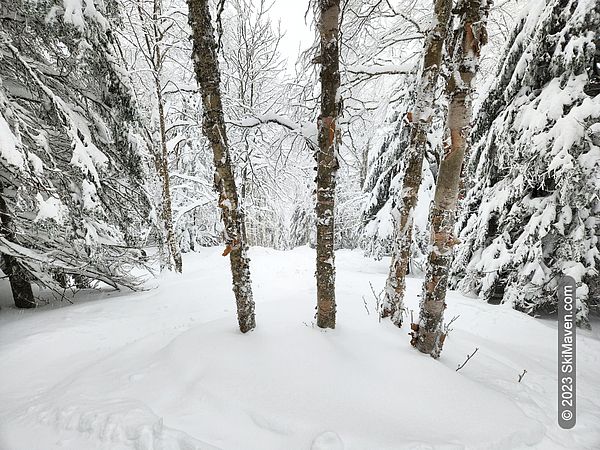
{"x": 19, "y": 284}
{"x": 208, "y": 77}
{"x": 327, "y": 162}
{"x": 155, "y": 59}
{"x": 420, "y": 123}
{"x": 429, "y": 333}
{"x": 17, "y": 276}
{"x": 167, "y": 208}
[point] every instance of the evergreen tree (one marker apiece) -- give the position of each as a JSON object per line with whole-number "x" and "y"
{"x": 73, "y": 194}
{"x": 532, "y": 211}
{"x": 384, "y": 183}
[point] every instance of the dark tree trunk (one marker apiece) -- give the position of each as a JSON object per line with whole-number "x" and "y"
{"x": 429, "y": 333}
{"x": 420, "y": 124}
{"x": 206, "y": 66}
{"x": 327, "y": 163}
{"x": 17, "y": 275}
{"x": 19, "y": 283}
{"x": 82, "y": 282}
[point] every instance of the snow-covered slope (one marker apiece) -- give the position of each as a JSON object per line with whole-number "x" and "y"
{"x": 167, "y": 369}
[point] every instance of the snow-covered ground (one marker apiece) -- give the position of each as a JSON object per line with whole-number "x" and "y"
{"x": 167, "y": 369}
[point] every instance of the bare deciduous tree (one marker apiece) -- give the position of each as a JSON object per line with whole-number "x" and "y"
{"x": 149, "y": 34}
{"x": 254, "y": 81}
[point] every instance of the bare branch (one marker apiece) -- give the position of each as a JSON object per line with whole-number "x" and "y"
{"x": 467, "y": 360}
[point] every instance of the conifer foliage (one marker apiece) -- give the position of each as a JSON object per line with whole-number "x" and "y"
{"x": 73, "y": 200}
{"x": 531, "y": 213}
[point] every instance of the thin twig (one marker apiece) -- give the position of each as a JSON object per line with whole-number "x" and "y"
{"x": 467, "y": 360}
{"x": 365, "y": 303}
{"x": 377, "y": 300}
{"x": 447, "y": 326}
{"x": 522, "y": 375}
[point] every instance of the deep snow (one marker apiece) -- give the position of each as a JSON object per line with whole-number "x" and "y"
{"x": 167, "y": 369}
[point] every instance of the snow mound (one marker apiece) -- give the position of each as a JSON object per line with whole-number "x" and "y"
{"x": 115, "y": 421}
{"x": 327, "y": 441}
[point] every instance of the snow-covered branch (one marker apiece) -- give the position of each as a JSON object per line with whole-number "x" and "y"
{"x": 377, "y": 70}
{"x": 307, "y": 130}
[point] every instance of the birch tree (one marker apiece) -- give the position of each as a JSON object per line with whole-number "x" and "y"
{"x": 470, "y": 36}
{"x": 420, "y": 121}
{"x": 206, "y": 65}
{"x": 386, "y": 168}
{"x": 327, "y": 159}
{"x": 154, "y": 48}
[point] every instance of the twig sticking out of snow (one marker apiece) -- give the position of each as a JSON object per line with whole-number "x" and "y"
{"x": 377, "y": 300}
{"x": 467, "y": 360}
{"x": 521, "y": 375}
{"x": 365, "y": 303}
{"x": 447, "y": 328}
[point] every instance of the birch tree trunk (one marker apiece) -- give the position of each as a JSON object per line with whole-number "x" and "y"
{"x": 420, "y": 124}
{"x": 327, "y": 162}
{"x": 204, "y": 55}
{"x": 163, "y": 166}
{"x": 153, "y": 37}
{"x": 429, "y": 333}
{"x": 17, "y": 276}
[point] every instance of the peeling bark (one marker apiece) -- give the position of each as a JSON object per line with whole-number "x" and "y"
{"x": 327, "y": 163}
{"x": 429, "y": 334}
{"x": 420, "y": 124}
{"x": 206, "y": 66}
